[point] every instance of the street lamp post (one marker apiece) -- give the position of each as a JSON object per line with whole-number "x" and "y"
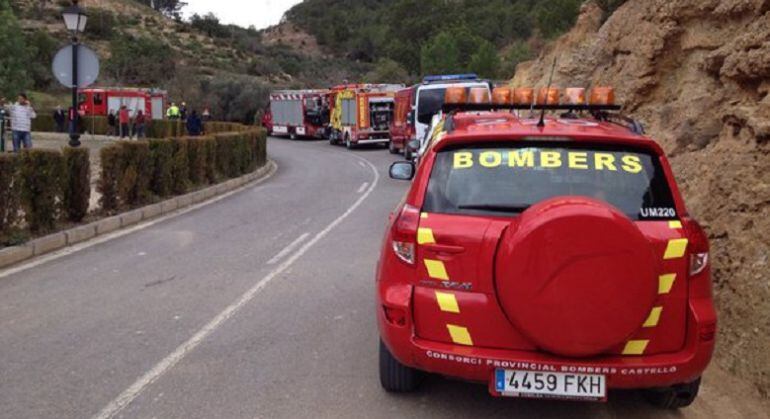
{"x": 75, "y": 20}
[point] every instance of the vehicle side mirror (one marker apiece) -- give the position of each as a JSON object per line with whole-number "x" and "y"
{"x": 414, "y": 145}
{"x": 402, "y": 170}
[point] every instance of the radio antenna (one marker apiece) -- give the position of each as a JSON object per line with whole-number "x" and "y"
{"x": 541, "y": 123}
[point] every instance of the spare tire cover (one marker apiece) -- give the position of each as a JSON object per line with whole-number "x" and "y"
{"x": 575, "y": 275}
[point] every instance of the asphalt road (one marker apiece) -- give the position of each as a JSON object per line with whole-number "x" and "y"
{"x": 257, "y": 306}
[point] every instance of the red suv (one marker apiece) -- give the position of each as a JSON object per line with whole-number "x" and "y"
{"x": 547, "y": 260}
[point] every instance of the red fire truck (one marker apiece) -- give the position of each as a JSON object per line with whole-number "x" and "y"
{"x": 361, "y": 114}
{"x": 99, "y": 101}
{"x": 299, "y": 113}
{"x": 402, "y": 129}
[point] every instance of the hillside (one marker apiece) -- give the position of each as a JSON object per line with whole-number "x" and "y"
{"x": 697, "y": 73}
{"x": 200, "y": 61}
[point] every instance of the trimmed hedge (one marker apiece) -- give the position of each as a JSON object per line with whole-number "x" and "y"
{"x": 134, "y": 171}
{"x": 42, "y": 172}
{"x": 77, "y": 189}
{"x": 10, "y": 194}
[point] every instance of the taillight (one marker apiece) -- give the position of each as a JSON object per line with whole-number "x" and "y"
{"x": 698, "y": 246}
{"x": 404, "y": 233}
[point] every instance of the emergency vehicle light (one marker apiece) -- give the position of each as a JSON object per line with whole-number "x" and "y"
{"x": 478, "y": 95}
{"x": 502, "y": 95}
{"x": 602, "y": 96}
{"x": 523, "y": 96}
{"x": 449, "y": 77}
{"x": 548, "y": 96}
{"x": 575, "y": 95}
{"x": 456, "y": 95}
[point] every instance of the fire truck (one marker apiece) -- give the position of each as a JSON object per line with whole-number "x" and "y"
{"x": 361, "y": 114}
{"x": 299, "y": 113}
{"x": 402, "y": 129}
{"x": 100, "y": 101}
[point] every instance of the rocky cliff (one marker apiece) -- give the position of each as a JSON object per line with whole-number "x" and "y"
{"x": 697, "y": 74}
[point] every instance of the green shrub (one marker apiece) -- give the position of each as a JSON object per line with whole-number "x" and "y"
{"x": 197, "y": 156}
{"x": 43, "y": 175}
{"x": 180, "y": 168}
{"x": 43, "y": 123}
{"x": 136, "y": 173}
{"x": 227, "y": 160}
{"x": 10, "y": 194}
{"x": 77, "y": 189}
{"x": 110, "y": 157}
{"x": 212, "y": 174}
{"x": 161, "y": 152}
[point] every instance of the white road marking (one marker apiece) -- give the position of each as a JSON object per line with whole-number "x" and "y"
{"x": 131, "y": 393}
{"x": 363, "y": 187}
{"x": 112, "y": 236}
{"x": 286, "y": 250}
{"x": 362, "y": 164}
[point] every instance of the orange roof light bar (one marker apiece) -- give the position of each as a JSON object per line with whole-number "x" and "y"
{"x": 523, "y": 96}
{"x": 575, "y": 95}
{"x": 602, "y": 96}
{"x": 548, "y": 96}
{"x": 479, "y": 95}
{"x": 502, "y": 96}
{"x": 456, "y": 95}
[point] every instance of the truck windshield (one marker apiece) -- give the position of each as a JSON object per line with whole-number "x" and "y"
{"x": 508, "y": 180}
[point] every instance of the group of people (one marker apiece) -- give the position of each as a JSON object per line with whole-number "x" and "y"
{"x": 21, "y": 113}
{"x": 193, "y": 122}
{"x": 126, "y": 124}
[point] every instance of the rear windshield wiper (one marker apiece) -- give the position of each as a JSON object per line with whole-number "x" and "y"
{"x": 495, "y": 207}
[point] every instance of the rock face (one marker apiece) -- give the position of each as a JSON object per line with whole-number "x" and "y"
{"x": 697, "y": 74}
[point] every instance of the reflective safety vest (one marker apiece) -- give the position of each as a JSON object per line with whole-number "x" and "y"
{"x": 173, "y": 112}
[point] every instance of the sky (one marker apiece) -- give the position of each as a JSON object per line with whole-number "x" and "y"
{"x": 260, "y": 13}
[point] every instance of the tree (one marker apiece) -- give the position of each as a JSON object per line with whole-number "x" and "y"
{"x": 485, "y": 61}
{"x": 14, "y": 60}
{"x": 517, "y": 53}
{"x": 140, "y": 61}
{"x": 387, "y": 71}
{"x": 440, "y": 55}
{"x": 171, "y": 8}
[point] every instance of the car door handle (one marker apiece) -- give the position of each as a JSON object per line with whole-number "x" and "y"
{"x": 444, "y": 248}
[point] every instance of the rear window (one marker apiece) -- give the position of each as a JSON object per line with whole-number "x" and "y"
{"x": 508, "y": 180}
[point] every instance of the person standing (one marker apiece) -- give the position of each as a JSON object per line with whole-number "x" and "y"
{"x": 59, "y": 117}
{"x": 183, "y": 111}
{"x": 112, "y": 122}
{"x": 172, "y": 112}
{"x": 139, "y": 125}
{"x": 206, "y": 115}
{"x": 124, "y": 118}
{"x": 22, "y": 113}
{"x": 194, "y": 124}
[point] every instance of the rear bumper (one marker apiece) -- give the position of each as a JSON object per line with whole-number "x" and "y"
{"x": 479, "y": 364}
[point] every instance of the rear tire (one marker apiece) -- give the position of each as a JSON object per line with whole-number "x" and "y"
{"x": 407, "y": 153}
{"x": 674, "y": 397}
{"x": 348, "y": 144}
{"x": 392, "y": 147}
{"x": 396, "y": 377}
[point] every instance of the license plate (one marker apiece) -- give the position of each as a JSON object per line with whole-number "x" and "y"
{"x": 300, "y": 131}
{"x": 280, "y": 130}
{"x": 550, "y": 385}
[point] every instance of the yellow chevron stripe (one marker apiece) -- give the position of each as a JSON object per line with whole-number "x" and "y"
{"x": 665, "y": 283}
{"x": 675, "y": 224}
{"x": 635, "y": 347}
{"x": 447, "y": 302}
{"x": 675, "y": 248}
{"x": 425, "y": 236}
{"x": 653, "y": 318}
{"x": 459, "y": 335}
{"x": 436, "y": 269}
{"x": 423, "y": 215}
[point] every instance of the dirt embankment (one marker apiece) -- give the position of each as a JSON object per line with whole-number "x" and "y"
{"x": 697, "y": 74}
